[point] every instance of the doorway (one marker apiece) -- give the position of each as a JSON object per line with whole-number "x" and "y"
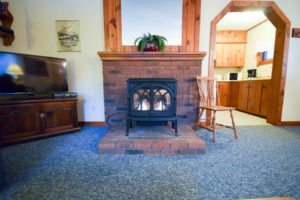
{"x": 273, "y": 13}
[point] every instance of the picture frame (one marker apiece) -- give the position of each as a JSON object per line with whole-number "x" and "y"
{"x": 296, "y": 32}
{"x": 68, "y": 35}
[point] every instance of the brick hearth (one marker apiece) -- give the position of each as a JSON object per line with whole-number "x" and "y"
{"x": 152, "y": 140}
{"x": 117, "y": 68}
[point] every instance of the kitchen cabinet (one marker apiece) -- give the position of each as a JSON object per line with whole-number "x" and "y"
{"x": 243, "y": 96}
{"x": 265, "y": 98}
{"x": 234, "y": 94}
{"x": 224, "y": 93}
{"x": 254, "y": 95}
{"x": 249, "y": 96}
{"x": 230, "y": 48}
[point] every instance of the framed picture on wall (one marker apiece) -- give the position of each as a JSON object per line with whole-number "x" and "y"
{"x": 68, "y": 35}
{"x": 296, "y": 32}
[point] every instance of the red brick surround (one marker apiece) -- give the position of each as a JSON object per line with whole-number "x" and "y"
{"x": 118, "y": 67}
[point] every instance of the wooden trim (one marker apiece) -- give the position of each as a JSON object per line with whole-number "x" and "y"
{"x": 231, "y": 42}
{"x": 260, "y": 61}
{"x": 8, "y": 102}
{"x": 152, "y": 55}
{"x": 290, "y": 123}
{"x": 282, "y": 24}
{"x": 92, "y": 123}
{"x": 190, "y": 27}
{"x": 184, "y": 25}
{"x": 197, "y": 25}
{"x": 106, "y": 21}
{"x": 253, "y": 27}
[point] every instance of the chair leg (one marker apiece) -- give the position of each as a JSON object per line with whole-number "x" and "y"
{"x": 199, "y": 118}
{"x": 233, "y": 125}
{"x": 214, "y": 126}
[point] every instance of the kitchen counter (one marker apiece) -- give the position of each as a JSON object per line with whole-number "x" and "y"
{"x": 252, "y": 79}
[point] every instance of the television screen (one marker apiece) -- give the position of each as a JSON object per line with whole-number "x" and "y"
{"x": 20, "y": 73}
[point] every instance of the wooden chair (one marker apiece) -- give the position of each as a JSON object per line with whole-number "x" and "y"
{"x": 209, "y": 101}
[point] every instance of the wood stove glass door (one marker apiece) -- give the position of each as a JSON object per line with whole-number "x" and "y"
{"x": 162, "y": 100}
{"x": 142, "y": 99}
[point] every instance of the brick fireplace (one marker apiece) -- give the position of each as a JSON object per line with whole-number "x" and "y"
{"x": 118, "y": 67}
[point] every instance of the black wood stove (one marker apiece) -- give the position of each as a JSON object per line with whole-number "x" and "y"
{"x": 151, "y": 100}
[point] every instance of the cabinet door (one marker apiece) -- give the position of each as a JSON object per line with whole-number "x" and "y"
{"x": 234, "y": 94}
{"x": 224, "y": 90}
{"x": 264, "y": 102}
{"x": 243, "y": 96}
{"x": 240, "y": 55}
{"x": 254, "y": 97}
{"x": 57, "y": 116}
{"x": 18, "y": 121}
{"x": 230, "y": 55}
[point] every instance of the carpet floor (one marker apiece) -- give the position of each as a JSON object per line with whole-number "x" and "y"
{"x": 263, "y": 162}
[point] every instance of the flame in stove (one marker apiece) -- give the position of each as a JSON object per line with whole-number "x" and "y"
{"x": 159, "y": 105}
{"x": 144, "y": 106}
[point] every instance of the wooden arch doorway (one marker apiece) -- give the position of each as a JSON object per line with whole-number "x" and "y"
{"x": 282, "y": 25}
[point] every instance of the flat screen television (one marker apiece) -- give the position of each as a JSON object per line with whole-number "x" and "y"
{"x": 31, "y": 75}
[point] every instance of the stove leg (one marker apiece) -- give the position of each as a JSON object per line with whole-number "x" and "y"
{"x": 127, "y": 126}
{"x": 131, "y": 124}
{"x": 175, "y": 127}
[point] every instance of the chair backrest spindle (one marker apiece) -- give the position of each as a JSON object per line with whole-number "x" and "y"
{"x": 208, "y": 91}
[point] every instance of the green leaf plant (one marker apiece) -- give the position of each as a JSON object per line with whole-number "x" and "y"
{"x": 148, "y": 39}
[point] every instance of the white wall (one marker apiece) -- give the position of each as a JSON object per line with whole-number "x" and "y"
{"x": 35, "y": 33}
{"x": 34, "y": 26}
{"x": 258, "y": 39}
{"x": 291, "y": 108}
{"x": 219, "y": 72}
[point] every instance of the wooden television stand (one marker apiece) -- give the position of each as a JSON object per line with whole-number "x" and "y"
{"x": 22, "y": 120}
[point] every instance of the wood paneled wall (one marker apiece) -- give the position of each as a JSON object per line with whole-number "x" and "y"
{"x": 230, "y": 48}
{"x": 234, "y": 36}
{"x": 190, "y": 27}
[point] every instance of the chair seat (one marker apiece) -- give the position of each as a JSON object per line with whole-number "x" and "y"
{"x": 217, "y": 108}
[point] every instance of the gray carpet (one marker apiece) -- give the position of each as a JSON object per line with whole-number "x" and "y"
{"x": 263, "y": 162}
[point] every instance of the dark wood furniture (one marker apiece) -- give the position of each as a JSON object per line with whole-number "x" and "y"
{"x": 210, "y": 102}
{"x": 250, "y": 96}
{"x": 23, "y": 120}
{"x": 6, "y": 19}
{"x": 2, "y": 175}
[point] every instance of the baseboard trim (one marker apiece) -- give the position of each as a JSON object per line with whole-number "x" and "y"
{"x": 290, "y": 123}
{"x": 91, "y": 123}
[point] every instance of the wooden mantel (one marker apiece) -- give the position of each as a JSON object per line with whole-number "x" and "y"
{"x": 105, "y": 55}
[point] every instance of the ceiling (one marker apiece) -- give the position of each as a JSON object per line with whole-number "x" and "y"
{"x": 240, "y": 20}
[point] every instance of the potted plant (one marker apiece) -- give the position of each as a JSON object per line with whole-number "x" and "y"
{"x": 151, "y": 42}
